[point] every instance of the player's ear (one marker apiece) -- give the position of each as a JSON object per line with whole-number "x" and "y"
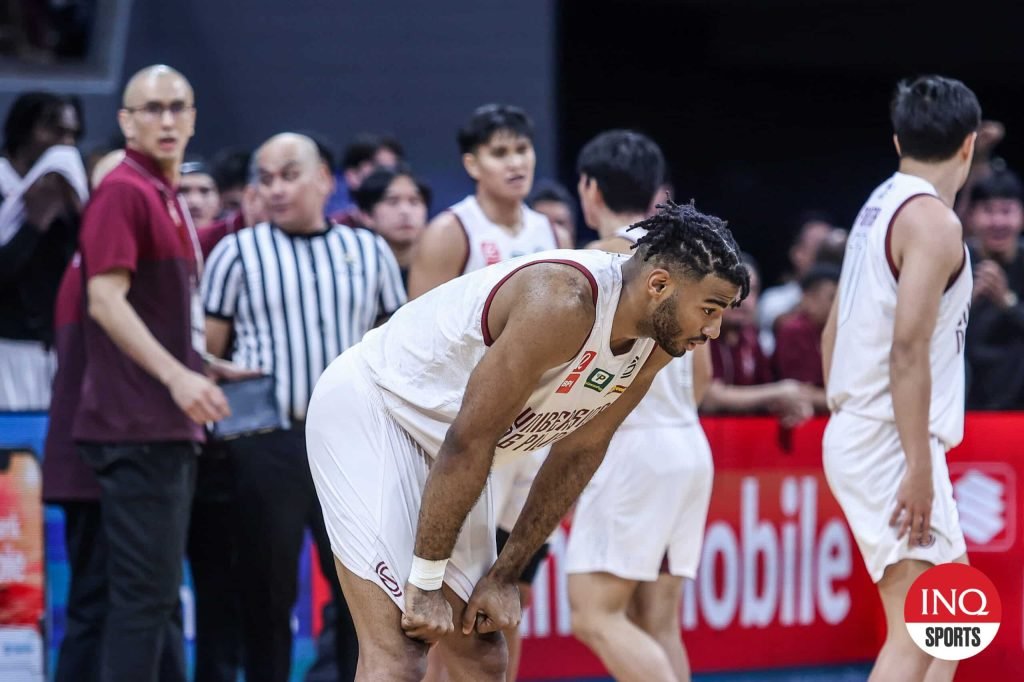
{"x": 896, "y": 143}
{"x": 659, "y": 283}
{"x": 967, "y": 148}
{"x": 472, "y": 165}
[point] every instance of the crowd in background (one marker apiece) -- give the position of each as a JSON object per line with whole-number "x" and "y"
{"x": 321, "y": 286}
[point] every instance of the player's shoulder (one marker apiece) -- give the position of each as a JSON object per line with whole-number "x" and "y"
{"x": 445, "y": 225}
{"x": 558, "y": 287}
{"x": 613, "y": 244}
{"x": 927, "y": 216}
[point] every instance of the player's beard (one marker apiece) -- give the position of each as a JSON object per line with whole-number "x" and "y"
{"x": 664, "y": 328}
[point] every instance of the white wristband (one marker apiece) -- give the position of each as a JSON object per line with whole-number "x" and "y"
{"x": 427, "y": 575}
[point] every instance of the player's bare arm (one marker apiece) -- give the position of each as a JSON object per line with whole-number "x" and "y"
{"x": 828, "y": 337}
{"x": 928, "y": 249}
{"x": 439, "y": 256}
{"x": 567, "y": 470}
{"x": 562, "y": 237}
{"x": 554, "y": 298}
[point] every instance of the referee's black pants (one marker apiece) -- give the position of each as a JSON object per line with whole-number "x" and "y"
{"x": 213, "y": 557}
{"x": 275, "y": 501}
{"x": 144, "y": 508}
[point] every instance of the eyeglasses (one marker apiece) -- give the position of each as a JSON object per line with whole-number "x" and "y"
{"x": 156, "y": 110}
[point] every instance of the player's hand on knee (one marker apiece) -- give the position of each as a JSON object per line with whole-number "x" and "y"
{"x": 913, "y": 512}
{"x": 493, "y": 606}
{"x": 428, "y": 615}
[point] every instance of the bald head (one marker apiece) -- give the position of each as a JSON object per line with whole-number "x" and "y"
{"x": 293, "y": 146}
{"x": 294, "y": 182}
{"x": 152, "y": 79}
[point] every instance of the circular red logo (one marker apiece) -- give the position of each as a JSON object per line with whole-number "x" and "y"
{"x": 952, "y": 611}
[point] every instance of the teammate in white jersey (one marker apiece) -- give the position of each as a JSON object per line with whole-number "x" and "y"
{"x": 542, "y": 350}
{"x": 494, "y": 223}
{"x": 893, "y": 354}
{"x": 648, "y": 501}
{"x": 490, "y": 226}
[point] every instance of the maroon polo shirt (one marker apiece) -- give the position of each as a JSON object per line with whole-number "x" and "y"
{"x": 66, "y": 477}
{"x": 742, "y": 363}
{"x": 211, "y": 235}
{"x": 135, "y": 222}
{"x": 798, "y": 349}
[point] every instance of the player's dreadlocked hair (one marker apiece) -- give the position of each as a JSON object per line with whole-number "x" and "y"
{"x": 680, "y": 235}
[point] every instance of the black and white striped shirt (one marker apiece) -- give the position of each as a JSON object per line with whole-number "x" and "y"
{"x": 296, "y": 302}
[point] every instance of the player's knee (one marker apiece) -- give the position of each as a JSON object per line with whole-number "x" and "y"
{"x": 588, "y": 625}
{"x": 405, "y": 662}
{"x": 488, "y": 654}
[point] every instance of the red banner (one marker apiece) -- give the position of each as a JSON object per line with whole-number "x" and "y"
{"x": 781, "y": 582}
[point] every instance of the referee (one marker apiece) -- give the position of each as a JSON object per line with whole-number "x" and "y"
{"x": 290, "y": 295}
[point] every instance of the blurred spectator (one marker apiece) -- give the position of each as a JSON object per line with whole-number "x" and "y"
{"x": 798, "y": 334}
{"x": 743, "y": 380}
{"x": 143, "y": 400}
{"x": 778, "y": 300}
{"x": 622, "y": 164}
{"x": 103, "y": 165}
{"x": 199, "y": 190}
{"x": 366, "y": 152}
{"x": 230, "y": 170}
{"x": 300, "y": 257}
{"x": 983, "y": 165}
{"x": 42, "y": 188}
{"x": 553, "y": 200}
{"x": 995, "y": 333}
{"x": 395, "y": 203}
{"x": 494, "y": 223}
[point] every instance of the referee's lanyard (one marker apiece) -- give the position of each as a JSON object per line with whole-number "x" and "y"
{"x": 188, "y": 235}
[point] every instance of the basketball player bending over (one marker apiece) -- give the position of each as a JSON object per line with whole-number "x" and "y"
{"x": 893, "y": 353}
{"x": 551, "y": 349}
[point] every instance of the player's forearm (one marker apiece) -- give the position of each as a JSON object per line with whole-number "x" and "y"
{"x": 828, "y": 341}
{"x": 559, "y": 483}
{"x": 454, "y": 485}
{"x": 122, "y": 324}
{"x": 721, "y": 397}
{"x": 911, "y": 384}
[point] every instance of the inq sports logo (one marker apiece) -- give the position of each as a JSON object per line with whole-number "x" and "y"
{"x": 952, "y": 611}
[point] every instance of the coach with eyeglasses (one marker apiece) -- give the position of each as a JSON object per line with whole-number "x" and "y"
{"x": 144, "y": 396}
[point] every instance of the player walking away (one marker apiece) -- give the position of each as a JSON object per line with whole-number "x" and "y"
{"x": 893, "y": 352}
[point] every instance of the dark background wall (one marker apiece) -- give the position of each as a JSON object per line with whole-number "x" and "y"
{"x": 765, "y": 109}
{"x": 411, "y": 68}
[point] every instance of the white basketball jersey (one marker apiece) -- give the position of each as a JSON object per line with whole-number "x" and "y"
{"x": 859, "y": 376}
{"x": 489, "y": 243}
{"x": 423, "y": 356}
{"x": 670, "y": 400}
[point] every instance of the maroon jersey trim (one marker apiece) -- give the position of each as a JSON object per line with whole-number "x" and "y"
{"x": 494, "y": 290}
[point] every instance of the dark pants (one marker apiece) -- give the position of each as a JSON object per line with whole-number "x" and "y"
{"x": 275, "y": 503}
{"x": 213, "y": 558}
{"x": 79, "y": 657}
{"x": 145, "y": 502}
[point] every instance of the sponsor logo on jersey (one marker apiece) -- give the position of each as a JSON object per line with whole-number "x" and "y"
{"x": 618, "y": 388}
{"x": 631, "y": 367}
{"x": 491, "y": 252}
{"x": 568, "y": 382}
{"x": 387, "y": 580}
{"x": 585, "y": 360}
{"x": 599, "y": 380}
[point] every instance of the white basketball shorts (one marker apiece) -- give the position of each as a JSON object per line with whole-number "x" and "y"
{"x": 369, "y": 475}
{"x": 864, "y": 465}
{"x": 648, "y": 499}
